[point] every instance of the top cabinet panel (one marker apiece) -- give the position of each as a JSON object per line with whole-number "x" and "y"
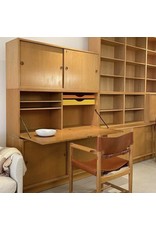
{"x": 81, "y": 71}
{"x": 41, "y": 66}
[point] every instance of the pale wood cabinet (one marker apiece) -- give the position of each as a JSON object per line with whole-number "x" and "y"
{"x": 41, "y": 66}
{"x": 81, "y": 71}
{"x": 143, "y": 142}
{"x": 45, "y": 164}
{"x": 46, "y": 67}
{"x": 48, "y": 87}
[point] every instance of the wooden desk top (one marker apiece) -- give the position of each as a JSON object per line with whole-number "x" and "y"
{"x": 69, "y": 134}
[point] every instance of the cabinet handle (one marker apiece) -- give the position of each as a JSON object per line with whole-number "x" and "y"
{"x": 22, "y": 62}
{"x": 96, "y": 71}
{"x": 66, "y": 68}
{"x": 61, "y": 67}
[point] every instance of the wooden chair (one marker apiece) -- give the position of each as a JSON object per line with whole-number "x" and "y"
{"x": 108, "y": 163}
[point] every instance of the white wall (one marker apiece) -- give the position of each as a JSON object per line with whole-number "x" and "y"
{"x": 69, "y": 42}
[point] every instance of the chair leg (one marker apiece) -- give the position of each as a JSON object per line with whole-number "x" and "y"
{"x": 70, "y": 171}
{"x": 130, "y": 182}
{"x": 98, "y": 184}
{"x": 131, "y": 170}
{"x": 98, "y": 176}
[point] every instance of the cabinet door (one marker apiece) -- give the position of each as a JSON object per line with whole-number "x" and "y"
{"x": 45, "y": 163}
{"x": 81, "y": 71}
{"x": 41, "y": 66}
{"x": 142, "y": 142}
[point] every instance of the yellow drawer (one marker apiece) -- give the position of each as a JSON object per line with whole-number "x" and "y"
{"x": 79, "y": 102}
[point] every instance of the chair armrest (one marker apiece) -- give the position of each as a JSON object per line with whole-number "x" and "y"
{"x": 83, "y": 148}
{"x": 16, "y": 171}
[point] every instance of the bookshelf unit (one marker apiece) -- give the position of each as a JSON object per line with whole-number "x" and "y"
{"x": 127, "y": 79}
{"x": 122, "y": 78}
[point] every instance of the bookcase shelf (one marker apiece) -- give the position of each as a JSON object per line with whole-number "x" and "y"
{"x": 135, "y": 70}
{"x": 78, "y": 109}
{"x": 151, "y": 44}
{"x": 111, "y": 102}
{"x": 113, "y": 50}
{"x": 135, "y": 55}
{"x": 151, "y": 65}
{"x": 151, "y": 57}
{"x": 114, "y": 117}
{"x": 151, "y": 85}
{"x": 138, "y": 42}
{"x": 134, "y": 116}
{"x": 40, "y": 110}
{"x": 135, "y": 85}
{"x": 113, "y": 40}
{"x": 112, "y": 67}
{"x": 134, "y": 103}
{"x": 110, "y": 83}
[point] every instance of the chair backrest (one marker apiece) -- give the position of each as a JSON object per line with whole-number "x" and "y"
{"x": 110, "y": 146}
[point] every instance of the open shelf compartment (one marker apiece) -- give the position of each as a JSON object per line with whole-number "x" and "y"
{"x": 40, "y": 110}
{"x": 78, "y": 109}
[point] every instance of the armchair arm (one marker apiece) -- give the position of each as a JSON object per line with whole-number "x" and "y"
{"x": 16, "y": 171}
{"x": 83, "y": 148}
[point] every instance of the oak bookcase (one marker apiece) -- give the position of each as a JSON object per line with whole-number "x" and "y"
{"x": 127, "y": 81}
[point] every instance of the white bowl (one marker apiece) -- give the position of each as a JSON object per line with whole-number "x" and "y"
{"x": 45, "y": 132}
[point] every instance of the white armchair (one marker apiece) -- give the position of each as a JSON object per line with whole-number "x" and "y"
{"x": 13, "y": 183}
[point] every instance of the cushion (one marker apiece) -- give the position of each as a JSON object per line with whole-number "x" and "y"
{"x": 7, "y": 185}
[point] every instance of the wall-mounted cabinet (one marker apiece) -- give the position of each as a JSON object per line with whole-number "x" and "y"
{"x": 39, "y": 77}
{"x": 81, "y": 71}
{"x": 41, "y": 66}
{"x": 48, "y": 87}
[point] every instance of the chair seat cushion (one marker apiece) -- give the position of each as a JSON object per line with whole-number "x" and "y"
{"x": 7, "y": 185}
{"x": 107, "y": 165}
